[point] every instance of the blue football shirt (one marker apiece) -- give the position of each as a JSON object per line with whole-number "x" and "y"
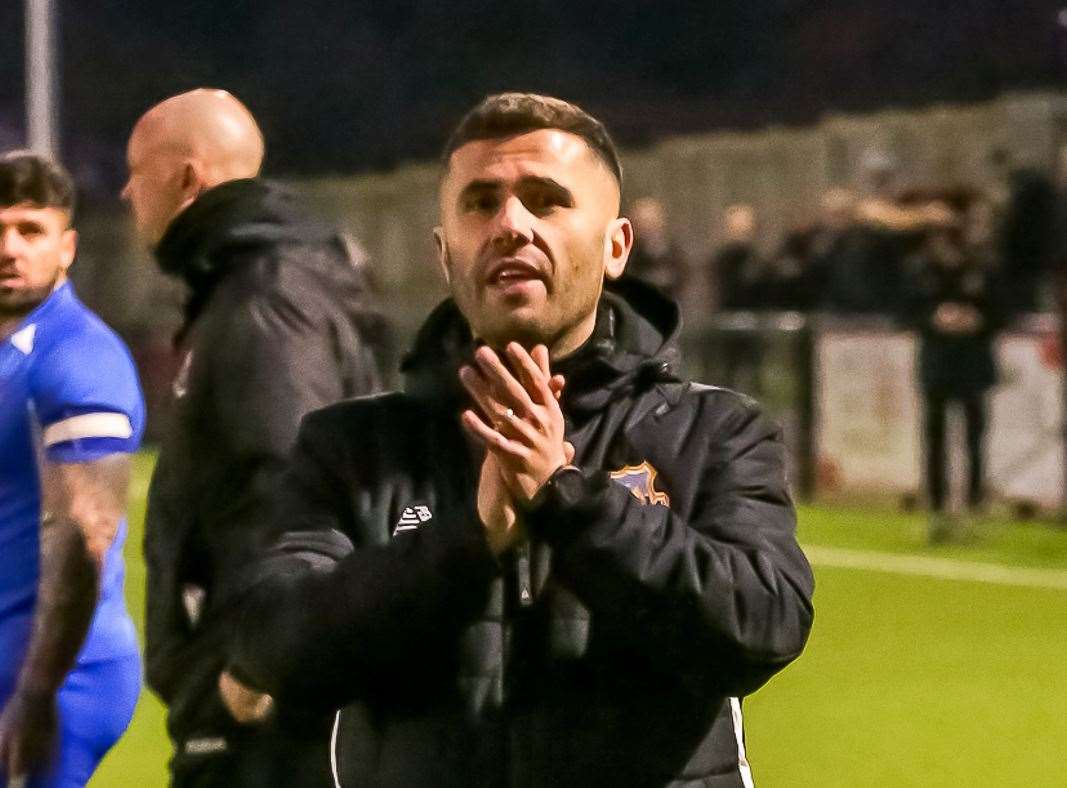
{"x": 68, "y": 393}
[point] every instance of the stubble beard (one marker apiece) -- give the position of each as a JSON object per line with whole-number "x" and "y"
{"x": 527, "y": 334}
{"x": 563, "y": 325}
{"x": 551, "y": 326}
{"x": 494, "y": 326}
{"x": 562, "y": 334}
{"x": 16, "y": 303}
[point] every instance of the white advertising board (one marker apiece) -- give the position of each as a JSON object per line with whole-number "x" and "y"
{"x": 868, "y": 416}
{"x": 866, "y": 411}
{"x": 1025, "y": 440}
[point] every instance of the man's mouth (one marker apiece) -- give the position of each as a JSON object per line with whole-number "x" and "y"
{"x": 507, "y": 273}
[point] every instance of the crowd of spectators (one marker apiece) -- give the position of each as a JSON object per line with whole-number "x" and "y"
{"x": 953, "y": 265}
{"x": 866, "y": 248}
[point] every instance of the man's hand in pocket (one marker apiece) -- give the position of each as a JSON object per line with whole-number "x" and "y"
{"x": 245, "y": 704}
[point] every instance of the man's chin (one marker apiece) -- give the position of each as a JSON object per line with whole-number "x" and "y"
{"x": 21, "y": 301}
{"x": 522, "y": 328}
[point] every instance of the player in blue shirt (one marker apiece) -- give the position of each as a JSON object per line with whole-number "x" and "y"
{"x": 71, "y": 412}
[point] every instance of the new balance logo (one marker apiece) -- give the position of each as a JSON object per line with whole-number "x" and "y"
{"x": 412, "y": 517}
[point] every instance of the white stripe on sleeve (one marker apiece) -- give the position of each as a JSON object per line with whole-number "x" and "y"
{"x": 739, "y": 734}
{"x": 88, "y": 425}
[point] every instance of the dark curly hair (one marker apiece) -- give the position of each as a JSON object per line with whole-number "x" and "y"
{"x": 27, "y": 177}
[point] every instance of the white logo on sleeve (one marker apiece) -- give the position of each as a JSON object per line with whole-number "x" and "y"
{"x": 193, "y": 597}
{"x": 412, "y": 517}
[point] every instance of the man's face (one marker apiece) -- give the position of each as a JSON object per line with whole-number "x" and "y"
{"x": 740, "y": 224}
{"x": 36, "y": 249}
{"x": 153, "y": 190}
{"x": 650, "y": 222}
{"x": 529, "y": 229}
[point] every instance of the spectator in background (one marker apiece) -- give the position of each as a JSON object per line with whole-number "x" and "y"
{"x": 274, "y": 329}
{"x": 1058, "y": 256}
{"x": 738, "y": 271}
{"x": 857, "y": 260}
{"x": 1027, "y": 232}
{"x": 980, "y": 231}
{"x": 828, "y": 243}
{"x": 655, "y": 258}
{"x": 861, "y": 260}
{"x": 952, "y": 302}
{"x": 739, "y": 275}
{"x": 793, "y": 281}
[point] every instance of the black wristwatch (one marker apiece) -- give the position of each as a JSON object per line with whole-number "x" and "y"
{"x": 564, "y": 486}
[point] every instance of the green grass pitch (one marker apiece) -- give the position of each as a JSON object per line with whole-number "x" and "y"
{"x": 907, "y": 680}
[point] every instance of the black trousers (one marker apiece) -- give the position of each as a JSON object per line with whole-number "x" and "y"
{"x": 935, "y": 404}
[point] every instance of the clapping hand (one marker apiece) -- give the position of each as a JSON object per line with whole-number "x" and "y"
{"x": 521, "y": 424}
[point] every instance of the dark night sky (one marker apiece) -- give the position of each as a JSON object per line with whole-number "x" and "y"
{"x": 344, "y": 86}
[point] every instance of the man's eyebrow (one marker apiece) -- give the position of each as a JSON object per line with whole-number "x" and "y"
{"x": 483, "y": 184}
{"x": 480, "y": 185}
{"x": 560, "y": 192}
{"x": 543, "y": 180}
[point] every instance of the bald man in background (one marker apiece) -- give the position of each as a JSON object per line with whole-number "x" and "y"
{"x": 275, "y": 326}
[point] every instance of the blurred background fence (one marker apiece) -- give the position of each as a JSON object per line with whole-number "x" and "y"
{"x": 842, "y": 387}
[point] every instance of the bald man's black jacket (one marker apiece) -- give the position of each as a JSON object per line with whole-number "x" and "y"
{"x": 664, "y": 579}
{"x": 274, "y": 329}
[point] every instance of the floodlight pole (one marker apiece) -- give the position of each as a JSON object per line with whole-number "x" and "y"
{"x": 41, "y": 78}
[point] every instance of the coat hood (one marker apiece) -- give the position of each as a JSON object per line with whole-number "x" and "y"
{"x": 229, "y": 224}
{"x": 634, "y": 344}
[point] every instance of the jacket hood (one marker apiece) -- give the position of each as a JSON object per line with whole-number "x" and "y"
{"x": 634, "y": 344}
{"x": 241, "y": 214}
{"x": 225, "y": 227}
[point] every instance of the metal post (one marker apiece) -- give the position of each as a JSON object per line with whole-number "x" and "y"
{"x": 1061, "y": 286}
{"x": 804, "y": 355}
{"x": 41, "y": 78}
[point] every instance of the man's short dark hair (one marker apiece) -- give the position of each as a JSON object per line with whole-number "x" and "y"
{"x": 29, "y": 178}
{"x": 510, "y": 114}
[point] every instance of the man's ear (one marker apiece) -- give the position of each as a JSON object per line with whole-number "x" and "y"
{"x": 442, "y": 253}
{"x": 68, "y": 247}
{"x": 193, "y": 181}
{"x": 617, "y": 245}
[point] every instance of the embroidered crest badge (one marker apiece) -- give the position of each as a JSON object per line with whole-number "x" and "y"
{"x": 640, "y": 480}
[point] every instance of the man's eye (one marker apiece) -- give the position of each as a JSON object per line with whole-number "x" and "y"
{"x": 482, "y": 203}
{"x": 543, "y": 202}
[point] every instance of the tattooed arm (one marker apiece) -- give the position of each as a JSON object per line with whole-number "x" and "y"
{"x": 82, "y": 504}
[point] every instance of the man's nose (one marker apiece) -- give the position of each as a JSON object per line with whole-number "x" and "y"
{"x": 10, "y": 242}
{"x": 514, "y": 225}
{"x": 124, "y": 195}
